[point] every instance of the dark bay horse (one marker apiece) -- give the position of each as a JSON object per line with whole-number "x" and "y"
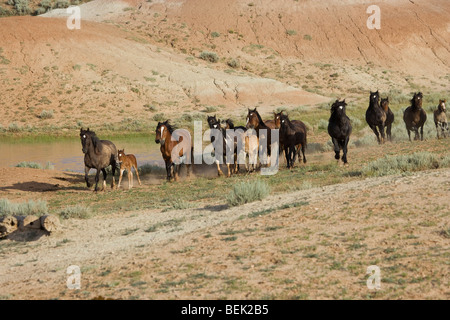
{"x": 98, "y": 154}
{"x": 174, "y": 158}
{"x": 375, "y": 116}
{"x": 293, "y": 138}
{"x": 339, "y": 128}
{"x": 389, "y": 117}
{"x": 415, "y": 117}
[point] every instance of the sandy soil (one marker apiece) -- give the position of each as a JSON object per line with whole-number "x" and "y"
{"x": 318, "y": 246}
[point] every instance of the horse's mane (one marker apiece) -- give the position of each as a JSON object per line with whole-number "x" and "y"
{"x": 230, "y": 123}
{"x": 169, "y": 126}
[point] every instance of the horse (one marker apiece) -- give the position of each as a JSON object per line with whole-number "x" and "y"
{"x": 389, "y": 117}
{"x": 415, "y": 117}
{"x": 98, "y": 154}
{"x": 339, "y": 128}
{"x": 173, "y": 161}
{"x": 127, "y": 161}
{"x": 215, "y": 124}
{"x": 375, "y": 116}
{"x": 254, "y": 121}
{"x": 300, "y": 127}
{"x": 440, "y": 119}
{"x": 250, "y": 141}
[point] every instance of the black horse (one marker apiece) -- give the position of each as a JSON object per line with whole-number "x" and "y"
{"x": 415, "y": 117}
{"x": 389, "y": 117}
{"x": 376, "y": 117}
{"x": 339, "y": 128}
{"x": 293, "y": 138}
{"x": 98, "y": 154}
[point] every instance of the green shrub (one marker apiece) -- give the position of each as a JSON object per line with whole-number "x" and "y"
{"x": 77, "y": 211}
{"x": 46, "y": 114}
{"x": 36, "y": 208}
{"x": 32, "y": 165}
{"x": 245, "y": 192}
{"x": 159, "y": 117}
{"x": 150, "y": 169}
{"x": 209, "y": 56}
{"x": 402, "y": 163}
{"x": 233, "y": 63}
{"x": 215, "y": 34}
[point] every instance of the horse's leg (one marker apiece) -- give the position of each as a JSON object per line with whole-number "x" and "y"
{"x": 388, "y": 132}
{"x": 409, "y": 133}
{"x": 381, "y": 129}
{"x": 294, "y": 155}
{"x": 421, "y": 133}
{"x": 86, "y": 178}
{"x": 120, "y": 177}
{"x": 445, "y": 129}
{"x": 219, "y": 171}
{"x": 337, "y": 150}
{"x": 344, "y": 150}
{"x": 97, "y": 177}
{"x": 104, "y": 179}
{"x": 113, "y": 170}
{"x": 130, "y": 179}
{"x": 286, "y": 155}
{"x": 374, "y": 129}
{"x": 303, "y": 152}
{"x": 137, "y": 174}
{"x": 168, "y": 165}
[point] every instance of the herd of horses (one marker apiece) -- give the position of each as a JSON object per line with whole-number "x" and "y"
{"x": 99, "y": 154}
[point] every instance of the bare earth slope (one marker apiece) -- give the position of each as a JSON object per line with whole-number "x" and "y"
{"x": 134, "y": 59}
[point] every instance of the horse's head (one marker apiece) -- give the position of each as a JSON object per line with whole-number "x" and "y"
{"x": 385, "y": 104}
{"x": 212, "y": 120}
{"x": 374, "y": 98}
{"x": 86, "y": 139}
{"x": 417, "y": 100}
{"x": 252, "y": 119}
{"x": 120, "y": 154}
{"x": 277, "y": 119}
{"x": 338, "y": 107}
{"x": 163, "y": 131}
{"x": 441, "y": 105}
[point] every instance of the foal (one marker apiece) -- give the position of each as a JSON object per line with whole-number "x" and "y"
{"x": 127, "y": 161}
{"x": 440, "y": 119}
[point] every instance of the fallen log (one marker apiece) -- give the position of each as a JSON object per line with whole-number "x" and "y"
{"x": 50, "y": 223}
{"x": 8, "y": 224}
{"x": 31, "y": 222}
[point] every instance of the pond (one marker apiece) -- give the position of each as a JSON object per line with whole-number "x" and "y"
{"x": 65, "y": 154}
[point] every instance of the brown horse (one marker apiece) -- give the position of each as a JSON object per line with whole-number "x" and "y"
{"x": 415, "y": 117}
{"x": 389, "y": 117}
{"x": 172, "y": 158}
{"x": 440, "y": 119}
{"x": 98, "y": 154}
{"x": 127, "y": 161}
{"x": 301, "y": 134}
